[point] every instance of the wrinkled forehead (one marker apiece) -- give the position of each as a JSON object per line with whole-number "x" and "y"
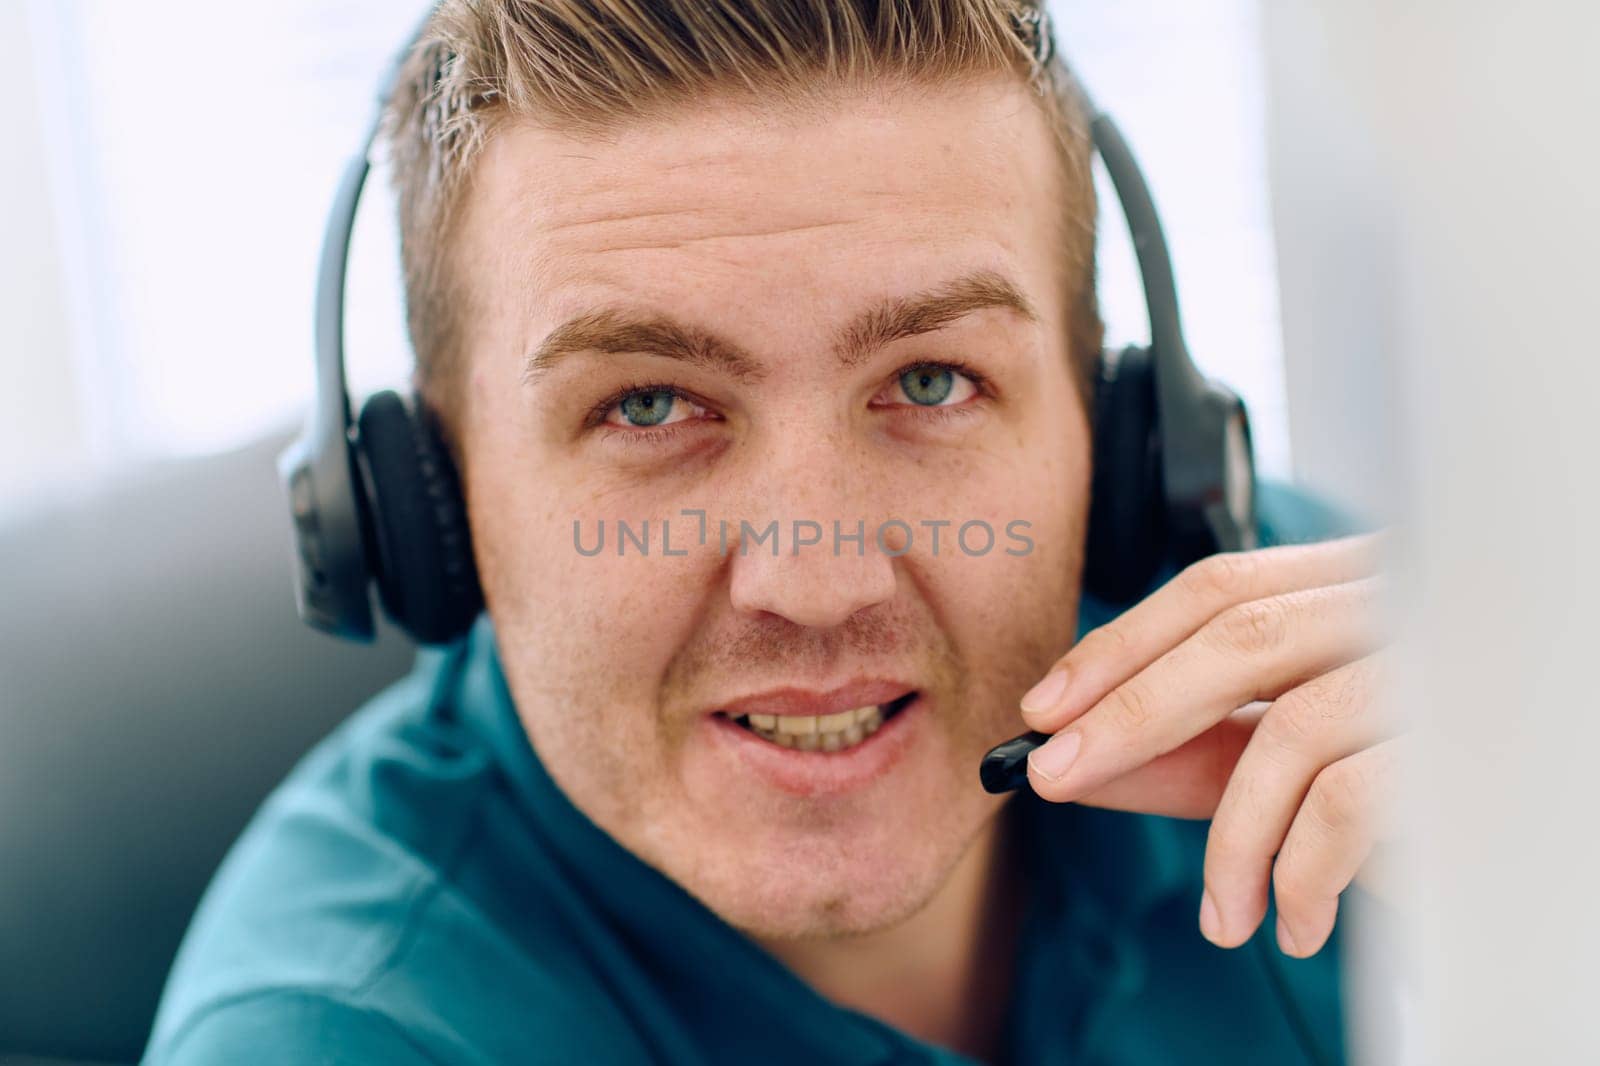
{"x": 725, "y": 200}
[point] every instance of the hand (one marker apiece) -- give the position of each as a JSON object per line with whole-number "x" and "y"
{"x": 1160, "y": 711}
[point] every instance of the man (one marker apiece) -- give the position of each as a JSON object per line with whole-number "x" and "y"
{"x": 693, "y": 268}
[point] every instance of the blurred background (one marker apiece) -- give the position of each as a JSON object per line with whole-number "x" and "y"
{"x": 1380, "y": 214}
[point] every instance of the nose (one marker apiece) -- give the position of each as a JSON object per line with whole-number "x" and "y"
{"x": 813, "y": 554}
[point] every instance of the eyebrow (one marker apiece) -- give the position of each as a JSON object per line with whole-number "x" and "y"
{"x": 612, "y": 331}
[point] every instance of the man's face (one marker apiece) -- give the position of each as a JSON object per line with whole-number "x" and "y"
{"x": 853, "y": 314}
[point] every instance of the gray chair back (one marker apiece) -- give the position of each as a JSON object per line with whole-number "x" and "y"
{"x": 155, "y": 684}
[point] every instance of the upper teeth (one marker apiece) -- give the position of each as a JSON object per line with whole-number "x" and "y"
{"x": 810, "y": 732}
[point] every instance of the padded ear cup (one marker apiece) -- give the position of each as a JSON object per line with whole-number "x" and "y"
{"x": 427, "y": 580}
{"x": 1127, "y": 506}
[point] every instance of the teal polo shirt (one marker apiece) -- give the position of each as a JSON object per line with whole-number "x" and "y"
{"x": 419, "y": 890}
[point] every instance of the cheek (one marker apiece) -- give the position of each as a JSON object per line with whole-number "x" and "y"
{"x": 584, "y": 643}
{"x": 584, "y": 638}
{"x": 1013, "y": 610}
{"x": 601, "y": 628}
{"x": 1008, "y": 618}
{"x": 534, "y": 525}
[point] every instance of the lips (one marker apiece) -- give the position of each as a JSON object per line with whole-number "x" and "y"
{"x": 833, "y": 721}
{"x": 741, "y": 757}
{"x": 824, "y": 732}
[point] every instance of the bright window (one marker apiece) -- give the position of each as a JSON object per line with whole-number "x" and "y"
{"x": 200, "y": 147}
{"x": 1185, "y": 82}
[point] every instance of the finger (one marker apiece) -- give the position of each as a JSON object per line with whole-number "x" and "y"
{"x": 1326, "y": 845}
{"x": 1186, "y": 782}
{"x": 1256, "y": 651}
{"x": 1327, "y": 719}
{"x": 1114, "y": 652}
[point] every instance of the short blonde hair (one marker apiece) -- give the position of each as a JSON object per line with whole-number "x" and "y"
{"x": 588, "y": 65}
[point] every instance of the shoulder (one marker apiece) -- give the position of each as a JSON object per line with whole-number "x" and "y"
{"x": 1292, "y": 514}
{"x": 320, "y": 889}
{"x": 286, "y": 1025}
{"x": 360, "y": 917}
{"x": 334, "y": 1025}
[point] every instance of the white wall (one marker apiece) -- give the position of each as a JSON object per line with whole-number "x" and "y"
{"x": 1332, "y": 214}
{"x": 1471, "y": 297}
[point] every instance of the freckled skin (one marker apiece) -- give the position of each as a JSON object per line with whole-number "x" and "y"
{"x": 772, "y": 230}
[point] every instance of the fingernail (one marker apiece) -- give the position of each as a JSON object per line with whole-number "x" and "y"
{"x": 1210, "y": 919}
{"x": 1047, "y": 693}
{"x": 1054, "y": 759}
{"x": 1286, "y": 942}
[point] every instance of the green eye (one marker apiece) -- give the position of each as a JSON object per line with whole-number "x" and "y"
{"x": 927, "y": 385}
{"x": 647, "y": 408}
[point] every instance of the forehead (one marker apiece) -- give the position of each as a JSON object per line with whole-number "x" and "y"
{"x": 725, "y": 204}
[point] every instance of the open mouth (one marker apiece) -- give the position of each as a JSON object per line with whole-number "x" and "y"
{"x": 822, "y": 732}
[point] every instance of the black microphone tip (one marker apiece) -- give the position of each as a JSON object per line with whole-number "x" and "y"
{"x": 1005, "y": 768}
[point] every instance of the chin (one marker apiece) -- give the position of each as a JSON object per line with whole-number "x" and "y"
{"x": 852, "y": 878}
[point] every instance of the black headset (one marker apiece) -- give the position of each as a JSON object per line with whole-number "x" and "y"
{"x": 376, "y": 499}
